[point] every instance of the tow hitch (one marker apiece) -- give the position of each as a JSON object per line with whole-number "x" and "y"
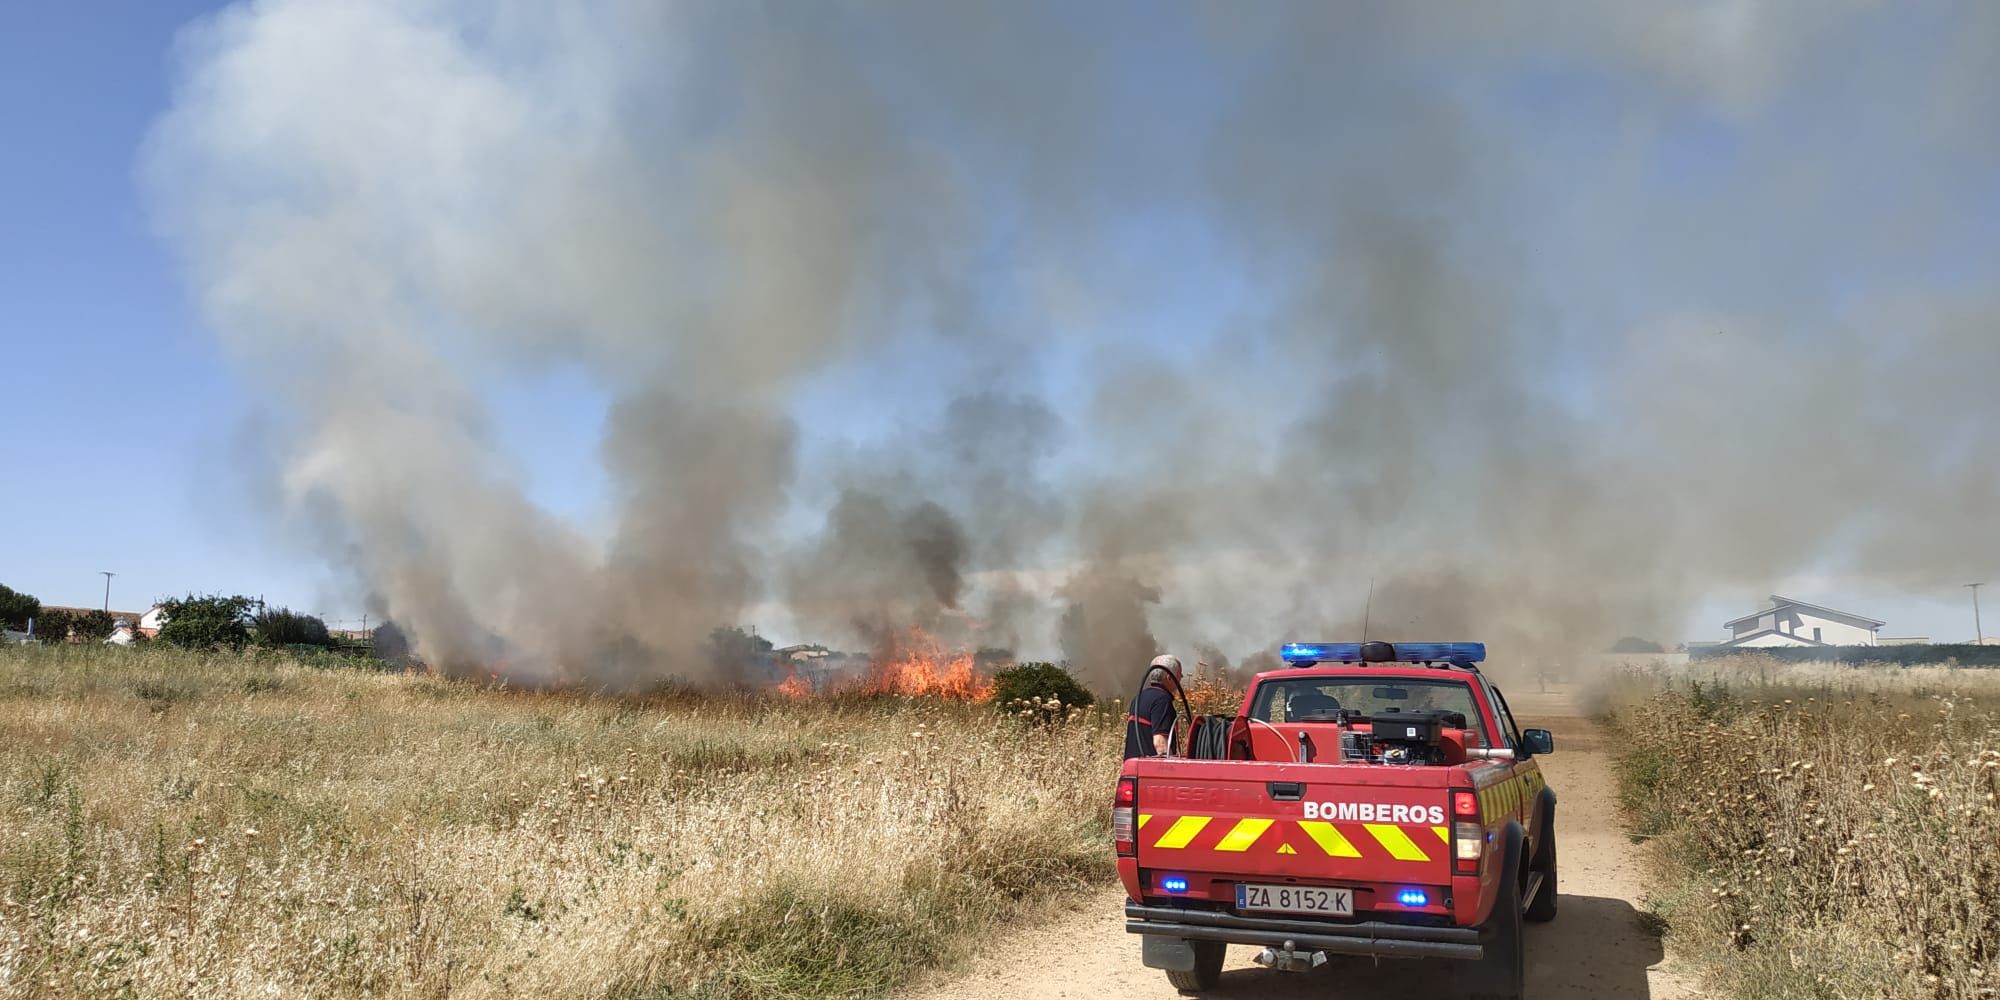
{"x": 1290, "y": 959}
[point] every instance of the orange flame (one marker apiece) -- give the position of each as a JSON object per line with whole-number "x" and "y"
{"x": 796, "y": 686}
{"x": 911, "y": 664}
{"x": 916, "y": 664}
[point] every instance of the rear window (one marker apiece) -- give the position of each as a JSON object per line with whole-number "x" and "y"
{"x": 1291, "y": 699}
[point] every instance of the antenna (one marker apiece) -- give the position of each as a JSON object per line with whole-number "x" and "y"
{"x": 1368, "y": 609}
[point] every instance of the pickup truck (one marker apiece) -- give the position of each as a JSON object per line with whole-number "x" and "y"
{"x": 1369, "y": 799}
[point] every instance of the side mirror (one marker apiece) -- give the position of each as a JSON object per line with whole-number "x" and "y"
{"x": 1539, "y": 741}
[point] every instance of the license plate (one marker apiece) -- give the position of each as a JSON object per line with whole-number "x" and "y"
{"x": 1296, "y": 899}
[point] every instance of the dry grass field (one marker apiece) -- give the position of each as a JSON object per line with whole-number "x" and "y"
{"x": 1822, "y": 832}
{"x": 189, "y": 825}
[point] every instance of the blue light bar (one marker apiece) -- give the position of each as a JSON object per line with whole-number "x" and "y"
{"x": 1413, "y": 898}
{"x": 1462, "y": 653}
{"x": 1174, "y": 883}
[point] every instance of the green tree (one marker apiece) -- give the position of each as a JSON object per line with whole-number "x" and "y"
{"x": 206, "y": 621}
{"x": 53, "y": 625}
{"x": 16, "y": 608}
{"x": 733, "y": 647}
{"x": 92, "y": 625}
{"x": 285, "y": 627}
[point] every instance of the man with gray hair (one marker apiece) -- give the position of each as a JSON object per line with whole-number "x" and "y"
{"x": 1149, "y": 729}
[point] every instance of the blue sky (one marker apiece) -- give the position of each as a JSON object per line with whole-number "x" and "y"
{"x": 134, "y": 432}
{"x": 118, "y": 395}
{"x": 129, "y": 412}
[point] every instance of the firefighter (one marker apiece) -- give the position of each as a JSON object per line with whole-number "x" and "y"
{"x": 1149, "y": 729}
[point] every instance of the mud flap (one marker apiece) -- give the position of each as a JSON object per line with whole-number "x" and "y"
{"x": 1170, "y": 953}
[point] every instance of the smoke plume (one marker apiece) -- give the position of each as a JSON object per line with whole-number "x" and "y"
{"x": 1094, "y": 332}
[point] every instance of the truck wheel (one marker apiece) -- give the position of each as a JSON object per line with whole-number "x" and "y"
{"x": 1207, "y": 969}
{"x": 1501, "y": 973}
{"x": 1542, "y": 908}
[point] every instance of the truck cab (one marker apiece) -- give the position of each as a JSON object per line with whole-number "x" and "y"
{"x": 1368, "y": 799}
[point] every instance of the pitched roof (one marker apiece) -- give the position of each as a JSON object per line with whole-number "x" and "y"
{"x": 131, "y": 616}
{"x": 1781, "y": 603}
{"x": 1801, "y": 640}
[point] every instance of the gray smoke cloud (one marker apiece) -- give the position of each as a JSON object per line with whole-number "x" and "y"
{"x": 1474, "y": 328}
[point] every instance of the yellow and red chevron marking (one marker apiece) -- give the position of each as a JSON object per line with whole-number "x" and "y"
{"x": 1379, "y": 841}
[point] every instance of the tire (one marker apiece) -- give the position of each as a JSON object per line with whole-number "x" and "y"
{"x": 1542, "y": 908}
{"x": 1207, "y": 969}
{"x": 1501, "y": 974}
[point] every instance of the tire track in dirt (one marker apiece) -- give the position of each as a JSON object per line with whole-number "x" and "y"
{"x": 1597, "y": 948}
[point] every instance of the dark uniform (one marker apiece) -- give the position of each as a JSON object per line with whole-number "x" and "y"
{"x": 1152, "y": 713}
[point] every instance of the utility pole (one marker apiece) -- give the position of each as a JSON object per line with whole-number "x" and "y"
{"x": 1978, "y": 631}
{"x": 107, "y": 589}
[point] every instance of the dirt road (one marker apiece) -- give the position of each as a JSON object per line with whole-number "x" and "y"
{"x": 1596, "y": 949}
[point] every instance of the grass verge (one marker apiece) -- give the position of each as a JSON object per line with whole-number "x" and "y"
{"x": 1821, "y": 833}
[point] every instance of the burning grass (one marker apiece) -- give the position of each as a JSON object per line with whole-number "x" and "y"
{"x": 1823, "y": 833}
{"x": 180, "y": 825}
{"x": 911, "y": 664}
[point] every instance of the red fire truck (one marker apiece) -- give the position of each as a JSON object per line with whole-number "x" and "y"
{"x": 1369, "y": 799}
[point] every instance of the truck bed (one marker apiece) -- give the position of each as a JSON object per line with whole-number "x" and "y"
{"x": 1208, "y": 825}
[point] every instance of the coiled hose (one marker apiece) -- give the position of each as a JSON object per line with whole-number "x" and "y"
{"x": 1211, "y": 738}
{"x": 1208, "y": 741}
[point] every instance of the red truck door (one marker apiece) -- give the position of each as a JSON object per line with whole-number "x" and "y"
{"x": 1513, "y": 793}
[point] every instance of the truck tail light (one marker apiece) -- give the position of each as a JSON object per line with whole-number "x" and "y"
{"x": 1124, "y": 818}
{"x": 1468, "y": 837}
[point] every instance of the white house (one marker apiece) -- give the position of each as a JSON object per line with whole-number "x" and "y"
{"x": 1795, "y": 623}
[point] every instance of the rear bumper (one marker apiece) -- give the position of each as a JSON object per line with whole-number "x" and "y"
{"x": 1374, "y": 938}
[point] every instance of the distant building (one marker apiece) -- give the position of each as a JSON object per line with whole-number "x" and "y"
{"x": 121, "y": 633}
{"x": 1789, "y": 622}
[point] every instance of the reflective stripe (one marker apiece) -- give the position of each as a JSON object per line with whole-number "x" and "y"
{"x": 1246, "y": 833}
{"x": 1396, "y": 842}
{"x": 1328, "y": 839}
{"x": 1182, "y": 832}
{"x": 1143, "y": 817}
{"x": 1443, "y": 832}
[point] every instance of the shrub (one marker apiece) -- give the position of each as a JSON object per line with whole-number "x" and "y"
{"x": 16, "y": 608}
{"x": 285, "y": 627}
{"x": 205, "y": 622}
{"x": 1031, "y": 686}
